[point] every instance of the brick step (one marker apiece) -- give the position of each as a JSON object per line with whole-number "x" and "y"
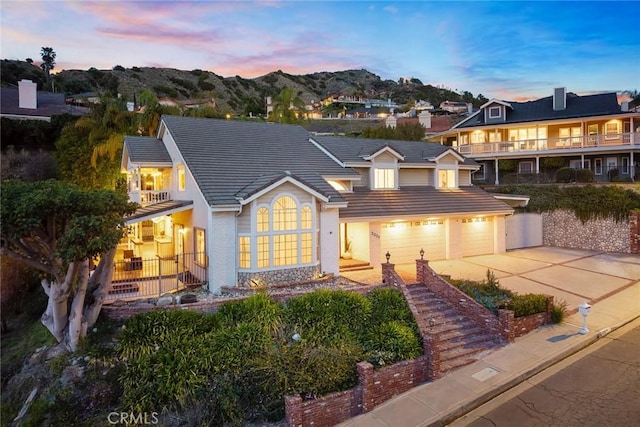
{"x": 441, "y": 313}
{"x": 467, "y": 342}
{"x": 463, "y": 359}
{"x": 356, "y": 268}
{"x": 459, "y": 334}
{"x": 451, "y": 324}
{"x": 466, "y": 351}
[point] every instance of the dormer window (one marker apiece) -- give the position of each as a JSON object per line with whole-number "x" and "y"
{"x": 384, "y": 179}
{"x": 495, "y": 113}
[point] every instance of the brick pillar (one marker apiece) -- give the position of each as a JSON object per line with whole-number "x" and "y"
{"x": 431, "y": 350}
{"x": 422, "y": 270}
{"x": 634, "y": 232}
{"x": 388, "y": 271}
{"x": 293, "y": 411}
{"x": 365, "y": 381}
{"x": 506, "y": 319}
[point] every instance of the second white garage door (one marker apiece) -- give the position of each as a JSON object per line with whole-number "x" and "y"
{"x": 477, "y": 236}
{"x": 404, "y": 240}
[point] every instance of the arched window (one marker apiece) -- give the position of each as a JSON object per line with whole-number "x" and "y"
{"x": 284, "y": 235}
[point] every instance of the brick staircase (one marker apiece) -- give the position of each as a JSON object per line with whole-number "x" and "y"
{"x": 459, "y": 341}
{"x": 354, "y": 265}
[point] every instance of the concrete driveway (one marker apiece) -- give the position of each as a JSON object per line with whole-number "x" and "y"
{"x": 572, "y": 275}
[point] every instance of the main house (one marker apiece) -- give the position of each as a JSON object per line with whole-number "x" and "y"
{"x": 589, "y": 132}
{"x": 251, "y": 203}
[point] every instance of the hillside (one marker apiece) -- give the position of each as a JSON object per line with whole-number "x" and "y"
{"x": 233, "y": 94}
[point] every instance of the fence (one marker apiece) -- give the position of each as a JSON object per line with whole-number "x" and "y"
{"x": 136, "y": 277}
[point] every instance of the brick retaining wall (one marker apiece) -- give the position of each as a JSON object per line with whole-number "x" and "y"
{"x": 374, "y": 387}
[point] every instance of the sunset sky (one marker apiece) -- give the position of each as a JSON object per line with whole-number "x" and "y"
{"x": 507, "y": 50}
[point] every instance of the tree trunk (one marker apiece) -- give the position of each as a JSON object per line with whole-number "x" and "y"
{"x": 76, "y": 329}
{"x": 99, "y": 283}
{"x": 55, "y": 316}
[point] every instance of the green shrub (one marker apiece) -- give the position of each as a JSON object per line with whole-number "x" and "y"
{"x": 325, "y": 315}
{"x": 559, "y": 311}
{"x": 488, "y": 293}
{"x": 566, "y": 175}
{"x": 258, "y": 308}
{"x": 584, "y": 175}
{"x": 391, "y": 342}
{"x": 144, "y": 333}
{"x": 388, "y": 304}
{"x": 525, "y": 305}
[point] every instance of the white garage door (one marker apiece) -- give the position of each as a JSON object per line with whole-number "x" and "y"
{"x": 404, "y": 240}
{"x": 523, "y": 230}
{"x": 477, "y": 236}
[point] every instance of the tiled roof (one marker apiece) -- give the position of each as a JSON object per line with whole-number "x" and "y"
{"x": 420, "y": 201}
{"x": 313, "y": 181}
{"x": 146, "y": 149}
{"x": 352, "y": 150}
{"x": 226, "y": 157}
{"x": 542, "y": 109}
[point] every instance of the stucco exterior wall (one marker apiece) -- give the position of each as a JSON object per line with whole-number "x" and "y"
{"x": 561, "y": 228}
{"x": 222, "y": 255}
{"x": 329, "y": 235}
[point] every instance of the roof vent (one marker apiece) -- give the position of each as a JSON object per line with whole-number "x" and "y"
{"x": 559, "y": 98}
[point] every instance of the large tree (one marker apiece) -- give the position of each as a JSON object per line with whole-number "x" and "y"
{"x": 59, "y": 229}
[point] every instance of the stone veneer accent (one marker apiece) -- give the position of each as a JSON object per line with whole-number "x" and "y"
{"x": 278, "y": 277}
{"x": 561, "y": 228}
{"x": 634, "y": 231}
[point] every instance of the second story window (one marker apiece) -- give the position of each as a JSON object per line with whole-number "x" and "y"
{"x": 182, "y": 178}
{"x": 384, "y": 179}
{"x": 494, "y": 113}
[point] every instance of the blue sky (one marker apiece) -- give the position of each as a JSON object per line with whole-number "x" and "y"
{"x": 513, "y": 50}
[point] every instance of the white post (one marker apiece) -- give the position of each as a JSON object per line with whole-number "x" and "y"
{"x": 584, "y": 310}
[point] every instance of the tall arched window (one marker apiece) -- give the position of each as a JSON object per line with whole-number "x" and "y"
{"x": 285, "y": 234}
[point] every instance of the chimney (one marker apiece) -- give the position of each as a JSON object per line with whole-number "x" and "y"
{"x": 559, "y": 98}
{"x": 425, "y": 119}
{"x": 469, "y": 108}
{"x": 27, "y": 94}
{"x": 391, "y": 122}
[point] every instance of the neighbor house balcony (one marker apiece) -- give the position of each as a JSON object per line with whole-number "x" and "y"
{"x": 577, "y": 144}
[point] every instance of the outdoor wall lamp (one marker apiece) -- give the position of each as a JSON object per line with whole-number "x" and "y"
{"x": 421, "y": 253}
{"x": 388, "y": 256}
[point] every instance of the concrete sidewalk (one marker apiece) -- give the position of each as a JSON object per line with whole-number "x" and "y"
{"x": 450, "y": 397}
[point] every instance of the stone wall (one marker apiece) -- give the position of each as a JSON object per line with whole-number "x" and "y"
{"x": 273, "y": 277}
{"x": 561, "y": 228}
{"x": 634, "y": 231}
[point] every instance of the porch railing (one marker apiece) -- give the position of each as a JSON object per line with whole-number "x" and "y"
{"x": 136, "y": 278}
{"x": 149, "y": 197}
{"x": 546, "y": 144}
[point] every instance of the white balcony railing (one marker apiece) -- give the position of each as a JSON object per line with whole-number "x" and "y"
{"x": 149, "y": 197}
{"x": 552, "y": 144}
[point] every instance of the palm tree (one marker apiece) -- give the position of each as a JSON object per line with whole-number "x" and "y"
{"x": 48, "y": 61}
{"x": 286, "y": 106}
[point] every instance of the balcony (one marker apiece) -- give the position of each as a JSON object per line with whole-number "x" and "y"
{"x": 547, "y": 145}
{"x": 149, "y": 197}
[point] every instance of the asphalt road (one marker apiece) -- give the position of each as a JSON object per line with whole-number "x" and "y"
{"x": 598, "y": 386}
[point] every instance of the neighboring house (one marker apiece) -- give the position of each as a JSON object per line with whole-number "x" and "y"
{"x": 592, "y": 132}
{"x": 27, "y": 103}
{"x": 244, "y": 203}
{"x": 456, "y": 107}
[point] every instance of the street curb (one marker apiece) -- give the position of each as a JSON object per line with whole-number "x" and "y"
{"x": 469, "y": 406}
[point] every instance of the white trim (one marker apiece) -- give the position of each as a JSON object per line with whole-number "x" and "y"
{"x": 494, "y": 108}
{"x": 445, "y": 153}
{"x": 280, "y": 182}
{"x": 385, "y": 149}
{"x": 327, "y": 152}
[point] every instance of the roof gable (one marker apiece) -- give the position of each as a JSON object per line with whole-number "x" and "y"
{"x": 387, "y": 149}
{"x": 542, "y": 109}
{"x": 312, "y": 185}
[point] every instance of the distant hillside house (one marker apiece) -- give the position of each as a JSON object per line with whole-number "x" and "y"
{"x": 27, "y": 103}
{"x": 456, "y": 107}
{"x": 590, "y": 132}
